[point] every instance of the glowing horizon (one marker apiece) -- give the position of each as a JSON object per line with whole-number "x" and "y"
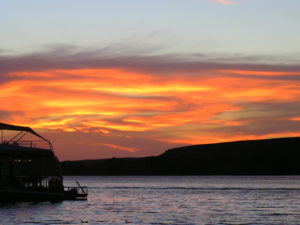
{"x": 162, "y": 105}
{"x": 133, "y": 78}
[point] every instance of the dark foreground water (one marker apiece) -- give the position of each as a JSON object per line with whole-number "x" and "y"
{"x": 169, "y": 200}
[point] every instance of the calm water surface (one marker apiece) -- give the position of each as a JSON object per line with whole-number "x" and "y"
{"x": 169, "y": 200}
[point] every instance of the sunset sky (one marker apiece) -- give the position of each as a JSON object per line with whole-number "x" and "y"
{"x": 131, "y": 78}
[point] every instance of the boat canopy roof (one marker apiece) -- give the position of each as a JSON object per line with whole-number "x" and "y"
{"x": 4, "y": 126}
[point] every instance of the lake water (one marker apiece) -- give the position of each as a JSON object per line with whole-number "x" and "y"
{"x": 169, "y": 200}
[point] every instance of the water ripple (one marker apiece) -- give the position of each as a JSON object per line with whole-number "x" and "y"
{"x": 169, "y": 200}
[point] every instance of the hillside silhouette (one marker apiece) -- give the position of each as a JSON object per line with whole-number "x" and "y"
{"x": 279, "y": 156}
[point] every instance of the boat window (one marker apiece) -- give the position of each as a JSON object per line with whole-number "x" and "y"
{"x": 11, "y": 169}
{"x": 22, "y": 160}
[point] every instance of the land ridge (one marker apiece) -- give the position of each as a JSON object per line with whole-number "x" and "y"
{"x": 278, "y": 156}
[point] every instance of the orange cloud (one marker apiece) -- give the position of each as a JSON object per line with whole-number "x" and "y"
{"x": 176, "y": 107}
{"x": 135, "y": 96}
{"x": 122, "y": 148}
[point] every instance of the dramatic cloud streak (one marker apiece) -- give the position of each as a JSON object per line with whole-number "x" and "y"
{"x": 225, "y": 2}
{"x": 102, "y": 104}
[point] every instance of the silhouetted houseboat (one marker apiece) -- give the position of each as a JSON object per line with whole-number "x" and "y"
{"x": 29, "y": 169}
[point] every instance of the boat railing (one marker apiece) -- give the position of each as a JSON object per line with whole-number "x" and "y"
{"x": 36, "y": 183}
{"x": 79, "y": 190}
{"x": 29, "y": 144}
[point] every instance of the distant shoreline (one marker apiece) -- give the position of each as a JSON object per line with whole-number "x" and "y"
{"x": 279, "y": 156}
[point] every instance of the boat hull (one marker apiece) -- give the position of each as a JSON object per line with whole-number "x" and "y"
{"x": 29, "y": 196}
{"x": 69, "y": 195}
